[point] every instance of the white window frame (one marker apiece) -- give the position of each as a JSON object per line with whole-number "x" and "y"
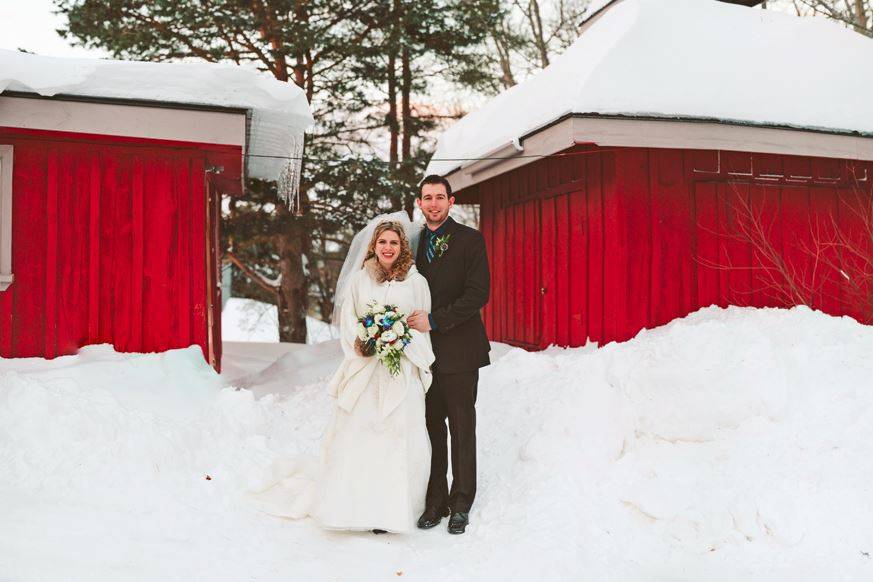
{"x": 6, "y": 277}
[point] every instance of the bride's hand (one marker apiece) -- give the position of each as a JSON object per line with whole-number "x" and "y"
{"x": 362, "y": 349}
{"x": 418, "y": 320}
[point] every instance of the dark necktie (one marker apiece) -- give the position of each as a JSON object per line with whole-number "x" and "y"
{"x": 430, "y": 250}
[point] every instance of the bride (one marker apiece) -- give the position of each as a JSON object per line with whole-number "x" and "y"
{"x": 375, "y": 459}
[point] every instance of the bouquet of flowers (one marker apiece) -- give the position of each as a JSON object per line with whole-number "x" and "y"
{"x": 383, "y": 331}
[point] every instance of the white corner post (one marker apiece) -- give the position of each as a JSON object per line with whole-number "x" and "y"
{"x": 5, "y": 217}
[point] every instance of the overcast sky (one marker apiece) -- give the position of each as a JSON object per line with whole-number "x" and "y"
{"x": 30, "y": 25}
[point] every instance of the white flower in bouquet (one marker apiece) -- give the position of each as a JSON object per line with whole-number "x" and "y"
{"x": 373, "y": 331}
{"x": 398, "y": 328}
{"x": 388, "y": 337}
{"x": 362, "y": 332}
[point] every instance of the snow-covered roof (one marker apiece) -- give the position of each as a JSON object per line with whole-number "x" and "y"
{"x": 684, "y": 59}
{"x": 279, "y": 111}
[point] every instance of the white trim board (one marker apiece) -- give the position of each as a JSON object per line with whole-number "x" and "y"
{"x": 122, "y": 120}
{"x": 662, "y": 134}
{"x": 6, "y": 276}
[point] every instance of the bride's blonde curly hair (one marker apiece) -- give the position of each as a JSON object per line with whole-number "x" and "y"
{"x": 401, "y": 265}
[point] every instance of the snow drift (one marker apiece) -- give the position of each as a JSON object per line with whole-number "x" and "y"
{"x": 731, "y": 444}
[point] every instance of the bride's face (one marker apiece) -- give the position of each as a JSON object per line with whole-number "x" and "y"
{"x": 387, "y": 248}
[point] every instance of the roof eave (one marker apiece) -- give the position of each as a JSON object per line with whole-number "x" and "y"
{"x": 127, "y": 101}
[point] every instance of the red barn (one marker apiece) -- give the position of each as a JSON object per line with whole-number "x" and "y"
{"x": 110, "y": 181}
{"x": 681, "y": 153}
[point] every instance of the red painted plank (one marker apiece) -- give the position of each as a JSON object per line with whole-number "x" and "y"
{"x": 491, "y": 202}
{"x": 94, "y": 248}
{"x": 559, "y": 282}
{"x": 795, "y": 223}
{"x": 553, "y": 168}
{"x": 735, "y": 247}
{"x": 577, "y": 222}
{"x": 706, "y": 254}
{"x": 671, "y": 280}
{"x": 29, "y": 207}
{"x": 596, "y": 237}
{"x": 854, "y": 213}
{"x": 487, "y": 230}
{"x": 635, "y": 198}
{"x": 826, "y": 276}
{"x": 548, "y": 280}
{"x": 529, "y": 238}
{"x": 160, "y": 221}
{"x": 138, "y": 251}
{"x": 121, "y": 293}
{"x": 71, "y": 292}
{"x": 519, "y": 288}
{"x": 616, "y": 267}
{"x": 765, "y": 201}
{"x": 51, "y": 256}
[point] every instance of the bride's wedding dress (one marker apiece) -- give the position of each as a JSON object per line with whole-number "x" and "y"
{"x": 375, "y": 460}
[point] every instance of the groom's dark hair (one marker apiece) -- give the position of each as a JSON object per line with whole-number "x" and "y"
{"x": 436, "y": 179}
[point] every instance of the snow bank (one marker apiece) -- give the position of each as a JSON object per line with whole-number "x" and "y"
{"x": 732, "y": 444}
{"x": 685, "y": 58}
{"x": 280, "y": 111}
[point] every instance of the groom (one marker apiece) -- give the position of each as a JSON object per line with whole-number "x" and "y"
{"x": 452, "y": 258}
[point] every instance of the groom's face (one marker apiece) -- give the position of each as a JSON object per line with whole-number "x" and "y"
{"x": 435, "y": 203}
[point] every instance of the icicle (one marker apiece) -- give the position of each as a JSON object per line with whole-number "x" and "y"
{"x": 289, "y": 178}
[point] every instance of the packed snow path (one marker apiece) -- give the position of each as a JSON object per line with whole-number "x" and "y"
{"x": 730, "y": 445}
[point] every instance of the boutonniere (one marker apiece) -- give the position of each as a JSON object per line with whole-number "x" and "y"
{"x": 441, "y": 244}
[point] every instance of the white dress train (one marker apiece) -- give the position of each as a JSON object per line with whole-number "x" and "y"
{"x": 375, "y": 459}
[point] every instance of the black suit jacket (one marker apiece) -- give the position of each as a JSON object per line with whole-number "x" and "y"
{"x": 459, "y": 284}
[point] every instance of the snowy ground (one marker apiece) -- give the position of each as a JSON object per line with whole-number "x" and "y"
{"x": 731, "y": 445}
{"x": 247, "y": 320}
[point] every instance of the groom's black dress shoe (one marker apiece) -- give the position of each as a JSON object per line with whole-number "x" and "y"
{"x": 458, "y": 522}
{"x": 432, "y": 516}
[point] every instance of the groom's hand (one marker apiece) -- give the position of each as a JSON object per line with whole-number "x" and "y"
{"x": 418, "y": 320}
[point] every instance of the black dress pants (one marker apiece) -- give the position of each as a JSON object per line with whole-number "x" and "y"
{"x": 452, "y": 397}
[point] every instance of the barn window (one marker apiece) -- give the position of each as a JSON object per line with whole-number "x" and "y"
{"x": 5, "y": 216}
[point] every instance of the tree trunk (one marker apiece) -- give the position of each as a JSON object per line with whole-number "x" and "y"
{"x": 393, "y": 126}
{"x": 406, "y": 107}
{"x": 293, "y": 298}
{"x": 860, "y": 16}
{"x": 507, "y": 79}
{"x": 393, "y": 119}
{"x": 536, "y": 24}
{"x": 408, "y": 128}
{"x": 292, "y": 241}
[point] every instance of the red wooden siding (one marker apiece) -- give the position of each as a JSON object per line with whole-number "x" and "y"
{"x": 109, "y": 244}
{"x": 603, "y": 243}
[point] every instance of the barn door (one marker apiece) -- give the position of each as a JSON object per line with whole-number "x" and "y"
{"x": 523, "y": 289}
